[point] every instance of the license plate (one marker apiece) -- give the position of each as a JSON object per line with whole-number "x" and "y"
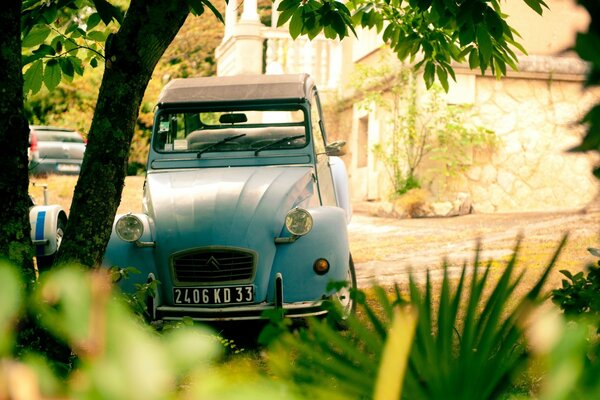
{"x": 68, "y": 167}
{"x": 213, "y": 295}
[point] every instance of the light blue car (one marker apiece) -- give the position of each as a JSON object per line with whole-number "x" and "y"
{"x": 245, "y": 205}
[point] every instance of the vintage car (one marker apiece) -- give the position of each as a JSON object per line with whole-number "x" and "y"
{"x": 245, "y": 206}
{"x": 48, "y": 222}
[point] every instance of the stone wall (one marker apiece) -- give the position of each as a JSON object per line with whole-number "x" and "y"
{"x": 536, "y": 122}
{"x": 534, "y": 114}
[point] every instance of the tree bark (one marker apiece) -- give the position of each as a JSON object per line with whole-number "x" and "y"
{"x": 15, "y": 239}
{"x": 131, "y": 55}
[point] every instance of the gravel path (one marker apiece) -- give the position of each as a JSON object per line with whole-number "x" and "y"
{"x": 385, "y": 249}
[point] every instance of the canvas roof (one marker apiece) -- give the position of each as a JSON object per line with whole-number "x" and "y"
{"x": 236, "y": 88}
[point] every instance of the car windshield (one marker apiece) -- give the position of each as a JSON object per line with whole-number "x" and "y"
{"x": 228, "y": 130}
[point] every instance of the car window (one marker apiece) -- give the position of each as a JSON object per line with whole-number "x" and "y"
{"x": 58, "y": 136}
{"x": 225, "y": 130}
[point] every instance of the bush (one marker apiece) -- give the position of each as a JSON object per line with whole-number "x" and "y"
{"x": 580, "y": 293}
{"x": 114, "y": 355}
{"x": 468, "y": 342}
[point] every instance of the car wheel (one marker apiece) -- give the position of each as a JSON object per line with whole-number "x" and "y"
{"x": 343, "y": 296}
{"x": 45, "y": 262}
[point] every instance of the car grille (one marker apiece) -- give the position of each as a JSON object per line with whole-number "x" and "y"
{"x": 209, "y": 266}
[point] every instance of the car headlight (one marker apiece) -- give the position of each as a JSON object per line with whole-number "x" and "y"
{"x": 129, "y": 228}
{"x": 298, "y": 221}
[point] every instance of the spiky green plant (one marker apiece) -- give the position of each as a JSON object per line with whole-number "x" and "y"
{"x": 468, "y": 340}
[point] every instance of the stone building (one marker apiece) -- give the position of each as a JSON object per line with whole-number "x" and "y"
{"x": 533, "y": 111}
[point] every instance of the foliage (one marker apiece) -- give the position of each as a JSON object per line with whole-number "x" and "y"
{"x": 313, "y": 17}
{"x": 72, "y": 103}
{"x": 580, "y": 293}
{"x": 60, "y": 38}
{"x": 436, "y": 32}
{"x": 115, "y": 355}
{"x": 456, "y": 140}
{"x": 417, "y": 127}
{"x": 573, "y": 360}
{"x": 468, "y": 342}
{"x": 587, "y": 46}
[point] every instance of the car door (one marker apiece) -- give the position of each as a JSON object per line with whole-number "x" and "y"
{"x": 324, "y": 178}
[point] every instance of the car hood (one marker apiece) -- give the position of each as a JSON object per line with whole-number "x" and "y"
{"x": 238, "y": 207}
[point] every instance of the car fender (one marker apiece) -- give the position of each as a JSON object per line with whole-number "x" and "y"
{"x": 327, "y": 239}
{"x": 342, "y": 187}
{"x": 44, "y": 221}
{"x": 122, "y": 254}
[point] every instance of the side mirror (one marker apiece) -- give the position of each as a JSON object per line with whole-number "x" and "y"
{"x": 336, "y": 148}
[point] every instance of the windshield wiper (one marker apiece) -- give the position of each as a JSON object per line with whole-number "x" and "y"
{"x": 220, "y": 142}
{"x": 275, "y": 143}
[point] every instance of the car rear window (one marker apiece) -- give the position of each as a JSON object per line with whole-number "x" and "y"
{"x": 58, "y": 136}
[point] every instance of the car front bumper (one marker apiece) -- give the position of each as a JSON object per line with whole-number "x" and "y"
{"x": 240, "y": 313}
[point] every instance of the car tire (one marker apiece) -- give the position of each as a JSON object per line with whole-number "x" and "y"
{"x": 344, "y": 298}
{"x": 45, "y": 262}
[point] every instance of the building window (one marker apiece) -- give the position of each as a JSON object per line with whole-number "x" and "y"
{"x": 363, "y": 142}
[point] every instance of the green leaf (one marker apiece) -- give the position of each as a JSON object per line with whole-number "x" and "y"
{"x": 586, "y": 45}
{"x": 429, "y": 74}
{"x": 296, "y": 24}
{"x": 536, "y": 5}
{"x": 494, "y": 23}
{"x": 484, "y": 43}
{"x": 94, "y": 62}
{"x": 97, "y": 36}
{"x": 443, "y": 77}
{"x": 36, "y": 36}
{"x": 288, "y": 5}
{"x": 67, "y": 68}
{"x": 214, "y": 10}
{"x": 285, "y": 16}
{"x": 50, "y": 13}
{"x": 41, "y": 52}
{"x": 338, "y": 25}
{"x": 108, "y": 12}
{"x": 77, "y": 64}
{"x": 33, "y": 77}
{"x": 196, "y": 6}
{"x": 92, "y": 21}
{"x": 70, "y": 45}
{"x": 591, "y": 140}
{"x": 500, "y": 66}
{"x": 52, "y": 74}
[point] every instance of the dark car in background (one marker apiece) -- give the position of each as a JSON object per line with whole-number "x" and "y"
{"x": 55, "y": 150}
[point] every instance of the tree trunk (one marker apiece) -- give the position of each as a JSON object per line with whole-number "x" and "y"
{"x": 15, "y": 240}
{"x": 131, "y": 55}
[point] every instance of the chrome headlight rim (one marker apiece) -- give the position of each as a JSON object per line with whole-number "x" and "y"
{"x": 129, "y": 228}
{"x": 298, "y": 221}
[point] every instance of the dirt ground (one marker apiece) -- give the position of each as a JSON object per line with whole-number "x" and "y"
{"x": 384, "y": 249}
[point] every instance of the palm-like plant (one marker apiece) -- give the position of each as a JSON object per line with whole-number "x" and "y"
{"x": 468, "y": 340}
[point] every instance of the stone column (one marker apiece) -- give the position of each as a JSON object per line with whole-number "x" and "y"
{"x": 230, "y": 18}
{"x": 250, "y": 11}
{"x": 241, "y": 51}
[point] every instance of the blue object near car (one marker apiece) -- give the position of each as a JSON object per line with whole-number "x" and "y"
{"x": 55, "y": 150}
{"x": 245, "y": 205}
{"x": 48, "y": 223}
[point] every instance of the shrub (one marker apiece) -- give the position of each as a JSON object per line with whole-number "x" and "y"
{"x": 580, "y": 293}
{"x": 467, "y": 344}
{"x": 115, "y": 355}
